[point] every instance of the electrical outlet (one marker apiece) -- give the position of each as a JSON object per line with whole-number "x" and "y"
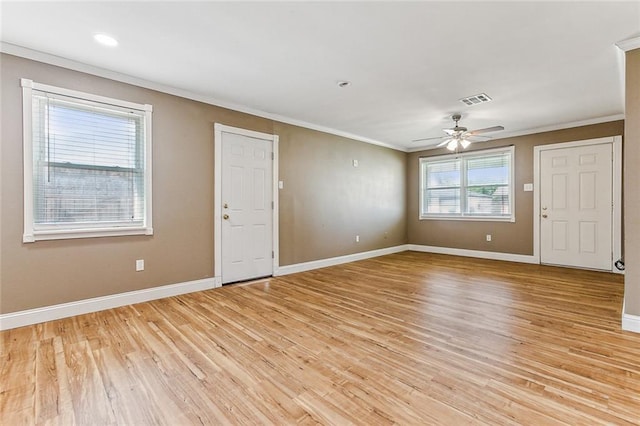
{"x": 139, "y": 265}
{"x": 488, "y": 237}
{"x": 357, "y": 238}
{"x": 355, "y": 163}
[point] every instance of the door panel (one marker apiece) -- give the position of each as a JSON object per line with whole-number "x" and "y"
{"x": 247, "y": 224}
{"x": 559, "y": 191}
{"x": 588, "y": 232}
{"x": 560, "y": 235}
{"x": 576, "y": 206}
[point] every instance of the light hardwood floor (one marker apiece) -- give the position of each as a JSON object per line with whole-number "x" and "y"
{"x": 410, "y": 338}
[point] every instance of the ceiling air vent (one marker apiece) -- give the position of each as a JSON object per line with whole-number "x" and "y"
{"x": 475, "y": 99}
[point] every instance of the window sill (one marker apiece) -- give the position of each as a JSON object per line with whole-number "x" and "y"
{"x": 84, "y": 233}
{"x": 470, "y": 218}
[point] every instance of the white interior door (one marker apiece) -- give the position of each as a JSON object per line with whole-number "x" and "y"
{"x": 247, "y": 215}
{"x": 576, "y": 206}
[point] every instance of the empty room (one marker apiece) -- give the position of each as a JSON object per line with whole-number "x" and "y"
{"x": 413, "y": 213}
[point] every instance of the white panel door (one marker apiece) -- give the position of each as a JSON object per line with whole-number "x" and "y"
{"x": 576, "y": 206}
{"x": 247, "y": 225}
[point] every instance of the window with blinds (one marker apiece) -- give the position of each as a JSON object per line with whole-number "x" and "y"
{"x": 474, "y": 185}
{"x": 89, "y": 171}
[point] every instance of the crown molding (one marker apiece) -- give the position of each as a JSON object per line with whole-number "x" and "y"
{"x": 47, "y": 58}
{"x": 629, "y": 44}
{"x": 562, "y": 126}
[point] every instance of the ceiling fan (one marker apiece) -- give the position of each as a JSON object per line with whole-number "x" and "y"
{"x": 459, "y": 136}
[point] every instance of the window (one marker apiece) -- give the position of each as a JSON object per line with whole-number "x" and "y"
{"x": 87, "y": 165}
{"x": 473, "y": 185}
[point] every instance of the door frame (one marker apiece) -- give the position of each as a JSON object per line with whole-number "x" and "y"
{"x": 219, "y": 129}
{"x": 616, "y": 219}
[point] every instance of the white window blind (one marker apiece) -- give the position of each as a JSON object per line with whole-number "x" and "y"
{"x": 443, "y": 181}
{"x": 469, "y": 185}
{"x": 90, "y": 171}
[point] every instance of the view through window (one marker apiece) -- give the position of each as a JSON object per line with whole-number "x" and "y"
{"x": 468, "y": 185}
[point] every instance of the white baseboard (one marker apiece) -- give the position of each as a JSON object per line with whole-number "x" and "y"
{"x": 631, "y": 322}
{"x": 509, "y": 257}
{"x": 64, "y": 310}
{"x": 323, "y": 263}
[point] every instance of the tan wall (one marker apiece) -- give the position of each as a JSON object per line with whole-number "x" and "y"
{"x": 181, "y": 249}
{"x": 326, "y": 201}
{"x": 631, "y": 179}
{"x": 507, "y": 237}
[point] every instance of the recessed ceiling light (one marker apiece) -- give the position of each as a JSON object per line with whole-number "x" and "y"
{"x": 343, "y": 83}
{"x": 105, "y": 40}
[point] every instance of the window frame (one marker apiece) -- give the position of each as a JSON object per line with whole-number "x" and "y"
{"x": 69, "y": 230}
{"x": 463, "y": 158}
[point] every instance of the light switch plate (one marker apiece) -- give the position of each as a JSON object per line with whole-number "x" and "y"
{"x": 528, "y": 187}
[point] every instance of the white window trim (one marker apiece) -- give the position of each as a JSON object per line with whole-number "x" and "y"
{"x": 462, "y": 216}
{"x": 30, "y": 235}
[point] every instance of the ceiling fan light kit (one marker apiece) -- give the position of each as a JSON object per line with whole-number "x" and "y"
{"x": 458, "y": 136}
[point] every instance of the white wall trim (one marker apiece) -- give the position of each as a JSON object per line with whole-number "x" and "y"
{"x": 616, "y": 144}
{"x": 59, "y": 61}
{"x": 275, "y": 170}
{"x": 629, "y": 44}
{"x": 219, "y": 129}
{"x": 631, "y": 322}
{"x": 65, "y": 310}
{"x": 509, "y": 257}
{"x": 332, "y": 261}
{"x": 561, "y": 126}
{"x": 323, "y": 263}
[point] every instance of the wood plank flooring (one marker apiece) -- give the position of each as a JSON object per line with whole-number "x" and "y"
{"x": 409, "y": 338}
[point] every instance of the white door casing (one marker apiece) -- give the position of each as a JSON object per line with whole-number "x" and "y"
{"x": 245, "y": 228}
{"x": 577, "y": 198}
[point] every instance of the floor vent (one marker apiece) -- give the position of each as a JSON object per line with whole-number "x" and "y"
{"x": 476, "y": 99}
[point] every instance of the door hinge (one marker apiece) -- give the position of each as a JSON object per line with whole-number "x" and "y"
{"x": 273, "y": 156}
{"x": 272, "y": 206}
{"x": 273, "y": 255}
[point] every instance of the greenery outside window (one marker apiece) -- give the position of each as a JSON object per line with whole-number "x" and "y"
{"x": 87, "y": 165}
{"x": 472, "y": 185}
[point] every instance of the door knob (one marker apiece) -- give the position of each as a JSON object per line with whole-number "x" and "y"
{"x": 544, "y": 216}
{"x": 225, "y": 217}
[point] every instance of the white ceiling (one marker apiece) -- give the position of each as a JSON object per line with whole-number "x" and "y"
{"x": 545, "y": 64}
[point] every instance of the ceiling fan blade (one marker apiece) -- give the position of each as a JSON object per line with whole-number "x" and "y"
{"x": 470, "y": 139}
{"x": 480, "y": 137}
{"x": 428, "y": 139}
{"x": 487, "y": 130}
{"x": 446, "y": 141}
{"x": 450, "y": 132}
